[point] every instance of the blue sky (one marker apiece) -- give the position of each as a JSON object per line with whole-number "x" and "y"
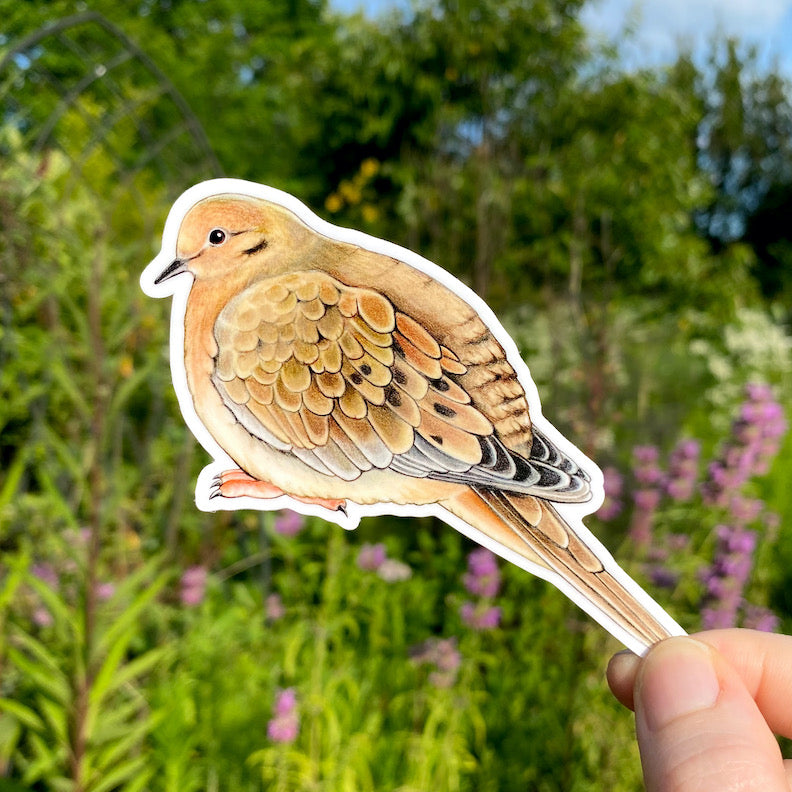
{"x": 660, "y": 25}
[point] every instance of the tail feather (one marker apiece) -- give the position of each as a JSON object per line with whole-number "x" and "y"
{"x": 587, "y": 575}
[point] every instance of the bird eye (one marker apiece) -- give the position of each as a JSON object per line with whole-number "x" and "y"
{"x": 217, "y": 236}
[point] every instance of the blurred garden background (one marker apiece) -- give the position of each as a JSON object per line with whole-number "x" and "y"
{"x": 632, "y": 227}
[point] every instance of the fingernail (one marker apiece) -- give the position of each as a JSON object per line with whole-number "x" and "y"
{"x": 623, "y": 665}
{"x": 676, "y": 678}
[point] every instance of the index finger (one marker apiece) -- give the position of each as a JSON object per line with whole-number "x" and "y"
{"x": 764, "y": 662}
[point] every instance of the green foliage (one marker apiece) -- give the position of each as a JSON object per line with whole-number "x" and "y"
{"x": 77, "y": 719}
{"x": 746, "y": 150}
{"x": 581, "y": 200}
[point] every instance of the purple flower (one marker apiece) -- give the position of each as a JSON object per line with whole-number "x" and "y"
{"x": 641, "y": 529}
{"x": 482, "y": 562}
{"x": 646, "y": 454}
{"x": 648, "y": 474}
{"x": 193, "y": 585}
{"x": 371, "y": 557}
{"x": 726, "y": 578}
{"x": 656, "y": 554}
{"x": 483, "y": 580}
{"x": 758, "y": 391}
{"x": 754, "y": 442}
{"x": 194, "y": 576}
{"x": 481, "y": 616}
{"x": 737, "y": 567}
{"x": 647, "y": 499}
{"x": 42, "y": 617}
{"x": 192, "y": 597}
{"x": 273, "y": 607}
{"x": 284, "y": 726}
{"x": 687, "y": 449}
{"x": 613, "y": 484}
{"x": 285, "y": 702}
{"x": 716, "y": 619}
{"x": 283, "y": 730}
{"x": 446, "y": 655}
{"x": 646, "y": 470}
{"x": 613, "y": 481}
{"x": 483, "y": 576}
{"x": 105, "y": 590}
{"x": 677, "y": 542}
{"x": 683, "y": 470}
{"x": 46, "y": 574}
{"x": 758, "y": 618}
{"x": 736, "y": 540}
{"x": 681, "y": 490}
{"x": 745, "y": 510}
{"x": 663, "y": 577}
{"x": 289, "y": 523}
{"x": 443, "y": 655}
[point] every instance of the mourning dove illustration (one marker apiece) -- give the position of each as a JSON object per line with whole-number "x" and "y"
{"x": 338, "y": 374}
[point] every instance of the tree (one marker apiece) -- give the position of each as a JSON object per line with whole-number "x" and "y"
{"x": 239, "y": 67}
{"x": 745, "y": 139}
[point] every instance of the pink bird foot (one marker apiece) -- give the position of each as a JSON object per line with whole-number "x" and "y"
{"x": 238, "y": 484}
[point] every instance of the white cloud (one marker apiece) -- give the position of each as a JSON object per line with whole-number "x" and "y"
{"x": 739, "y": 17}
{"x": 661, "y": 25}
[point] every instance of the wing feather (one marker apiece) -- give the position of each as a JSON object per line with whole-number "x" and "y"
{"x": 342, "y": 379}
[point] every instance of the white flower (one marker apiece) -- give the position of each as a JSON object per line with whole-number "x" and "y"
{"x": 392, "y": 571}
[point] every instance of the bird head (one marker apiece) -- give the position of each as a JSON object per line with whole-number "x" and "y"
{"x": 235, "y": 236}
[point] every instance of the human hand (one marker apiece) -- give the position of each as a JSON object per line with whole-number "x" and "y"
{"x": 706, "y": 709}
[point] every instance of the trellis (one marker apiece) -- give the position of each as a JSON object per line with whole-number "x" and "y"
{"x": 85, "y": 67}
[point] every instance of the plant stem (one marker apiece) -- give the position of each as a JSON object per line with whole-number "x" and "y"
{"x": 265, "y": 572}
{"x": 84, "y": 673}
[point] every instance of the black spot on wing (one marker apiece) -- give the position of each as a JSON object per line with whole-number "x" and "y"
{"x": 392, "y": 396}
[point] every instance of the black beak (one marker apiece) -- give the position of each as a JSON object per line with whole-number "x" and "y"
{"x": 176, "y": 267}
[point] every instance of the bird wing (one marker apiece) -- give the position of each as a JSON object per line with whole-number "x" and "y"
{"x": 339, "y": 377}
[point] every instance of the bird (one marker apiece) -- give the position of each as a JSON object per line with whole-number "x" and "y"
{"x": 341, "y": 370}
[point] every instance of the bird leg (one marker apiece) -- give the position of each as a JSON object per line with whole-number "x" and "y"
{"x": 238, "y": 484}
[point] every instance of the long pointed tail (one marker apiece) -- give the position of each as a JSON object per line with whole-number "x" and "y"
{"x": 586, "y": 574}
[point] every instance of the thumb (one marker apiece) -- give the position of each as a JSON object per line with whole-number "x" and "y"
{"x": 698, "y": 727}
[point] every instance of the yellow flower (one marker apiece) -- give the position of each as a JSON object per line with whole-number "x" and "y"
{"x": 370, "y": 213}
{"x": 131, "y": 540}
{"x": 369, "y": 168}
{"x": 334, "y": 203}
{"x": 126, "y": 367}
{"x": 349, "y": 192}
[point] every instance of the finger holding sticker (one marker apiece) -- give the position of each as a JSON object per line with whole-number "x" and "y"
{"x": 341, "y": 375}
{"x": 707, "y": 709}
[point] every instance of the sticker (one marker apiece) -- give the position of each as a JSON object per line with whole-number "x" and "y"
{"x": 343, "y": 376}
